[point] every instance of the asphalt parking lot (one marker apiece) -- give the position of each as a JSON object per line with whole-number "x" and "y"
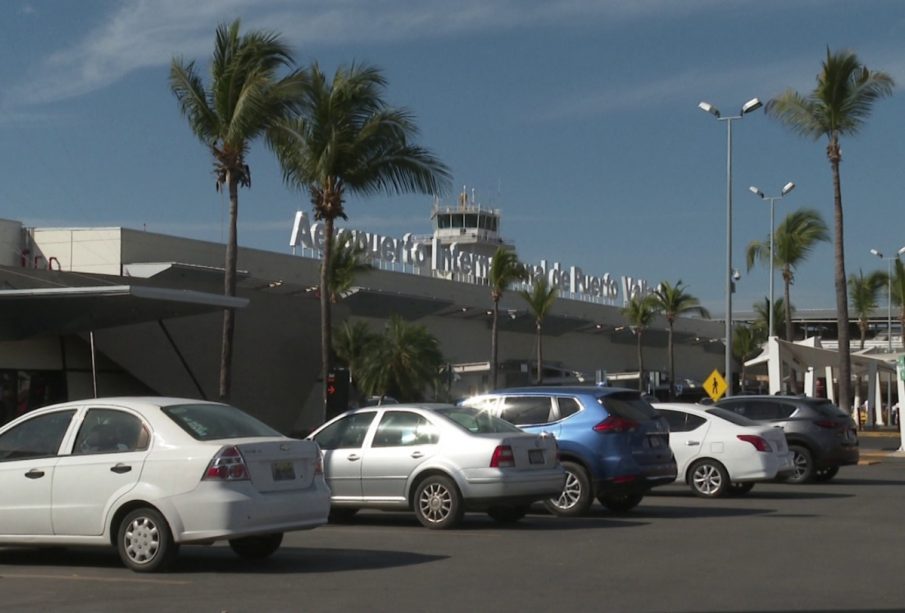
{"x": 822, "y": 547}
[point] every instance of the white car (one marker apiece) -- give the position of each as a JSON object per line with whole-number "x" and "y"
{"x": 438, "y": 460}
{"x": 719, "y": 452}
{"x": 148, "y": 474}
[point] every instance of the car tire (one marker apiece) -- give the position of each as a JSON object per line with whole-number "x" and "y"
{"x": 803, "y": 462}
{"x": 508, "y": 515}
{"x": 621, "y": 502}
{"x": 145, "y": 542}
{"x": 740, "y": 488}
{"x": 438, "y": 503}
{"x": 708, "y": 479}
{"x": 257, "y": 547}
{"x": 575, "y": 498}
{"x": 341, "y": 515}
{"x": 825, "y": 474}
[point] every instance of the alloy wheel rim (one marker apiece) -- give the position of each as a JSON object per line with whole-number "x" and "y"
{"x": 801, "y": 464}
{"x": 707, "y": 479}
{"x": 435, "y": 503}
{"x": 571, "y": 492}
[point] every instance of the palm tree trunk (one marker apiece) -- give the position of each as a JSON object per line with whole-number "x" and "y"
{"x": 787, "y": 306}
{"x": 493, "y": 344}
{"x": 229, "y": 288}
{"x": 640, "y": 364}
{"x": 326, "y": 313}
{"x": 540, "y": 355}
{"x": 672, "y": 370}
{"x": 845, "y": 363}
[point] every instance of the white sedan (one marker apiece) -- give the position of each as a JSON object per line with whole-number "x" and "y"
{"x": 719, "y": 452}
{"x": 148, "y": 474}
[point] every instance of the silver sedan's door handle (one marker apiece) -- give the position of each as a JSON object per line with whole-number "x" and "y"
{"x": 353, "y": 457}
{"x": 692, "y": 443}
{"x": 417, "y": 454}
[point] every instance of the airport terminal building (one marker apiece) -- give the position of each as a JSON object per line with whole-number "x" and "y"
{"x": 110, "y": 311}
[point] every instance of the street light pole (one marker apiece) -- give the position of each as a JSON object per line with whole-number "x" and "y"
{"x": 785, "y": 190}
{"x": 748, "y": 107}
{"x": 889, "y": 261}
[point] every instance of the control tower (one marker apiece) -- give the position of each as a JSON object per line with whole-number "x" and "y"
{"x": 470, "y": 226}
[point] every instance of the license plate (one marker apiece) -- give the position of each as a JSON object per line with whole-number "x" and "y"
{"x": 536, "y": 456}
{"x": 283, "y": 471}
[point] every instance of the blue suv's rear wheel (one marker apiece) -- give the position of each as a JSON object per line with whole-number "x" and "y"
{"x": 575, "y": 498}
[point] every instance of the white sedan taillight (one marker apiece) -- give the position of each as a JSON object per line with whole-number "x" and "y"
{"x": 227, "y": 465}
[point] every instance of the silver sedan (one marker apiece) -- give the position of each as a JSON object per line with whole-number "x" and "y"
{"x": 438, "y": 460}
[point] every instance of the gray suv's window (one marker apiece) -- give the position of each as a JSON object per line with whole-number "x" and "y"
{"x": 759, "y": 409}
{"x": 524, "y": 410}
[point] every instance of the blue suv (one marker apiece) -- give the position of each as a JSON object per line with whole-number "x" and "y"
{"x": 612, "y": 444}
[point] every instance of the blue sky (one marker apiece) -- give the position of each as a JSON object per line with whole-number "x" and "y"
{"x": 577, "y": 118}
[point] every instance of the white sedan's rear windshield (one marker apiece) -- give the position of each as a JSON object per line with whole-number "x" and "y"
{"x": 210, "y": 422}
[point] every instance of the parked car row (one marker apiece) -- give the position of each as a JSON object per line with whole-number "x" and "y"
{"x": 146, "y": 475}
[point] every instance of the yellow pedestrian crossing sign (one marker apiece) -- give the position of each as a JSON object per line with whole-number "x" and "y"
{"x": 715, "y": 385}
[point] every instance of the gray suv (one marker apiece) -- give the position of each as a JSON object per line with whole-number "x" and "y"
{"x": 822, "y": 437}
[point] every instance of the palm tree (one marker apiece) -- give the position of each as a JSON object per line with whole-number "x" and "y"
{"x": 640, "y": 311}
{"x": 244, "y": 99}
{"x": 352, "y": 343}
{"x": 863, "y": 293}
{"x": 672, "y": 301}
{"x": 540, "y": 299}
{"x": 897, "y": 290}
{"x": 779, "y": 317}
{"x": 505, "y": 269}
{"x": 347, "y": 261}
{"x": 403, "y": 362}
{"x": 794, "y": 239}
{"x": 344, "y": 139}
{"x": 747, "y": 341}
{"x": 839, "y": 106}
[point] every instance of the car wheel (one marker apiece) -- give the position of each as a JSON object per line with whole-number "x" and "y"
{"x": 438, "y": 504}
{"x": 825, "y": 474}
{"x": 257, "y": 547}
{"x": 803, "y": 463}
{"x": 575, "y": 498}
{"x": 620, "y": 502}
{"x": 709, "y": 479}
{"x": 144, "y": 541}
{"x": 740, "y": 488}
{"x": 341, "y": 515}
{"x": 508, "y": 515}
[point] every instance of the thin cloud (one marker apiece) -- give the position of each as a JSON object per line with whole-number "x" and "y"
{"x": 148, "y": 33}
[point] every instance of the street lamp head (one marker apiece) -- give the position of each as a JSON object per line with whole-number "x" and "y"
{"x": 787, "y": 188}
{"x": 751, "y": 105}
{"x": 706, "y": 106}
{"x": 900, "y": 251}
{"x": 756, "y": 191}
{"x": 876, "y": 253}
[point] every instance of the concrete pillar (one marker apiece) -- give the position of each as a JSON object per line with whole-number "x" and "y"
{"x": 878, "y": 408}
{"x": 857, "y": 411}
{"x": 810, "y": 382}
{"x": 774, "y": 365}
{"x": 872, "y": 388}
{"x": 900, "y": 384}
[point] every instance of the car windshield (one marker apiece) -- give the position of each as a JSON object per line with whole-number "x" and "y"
{"x": 476, "y": 421}
{"x": 209, "y": 422}
{"x": 735, "y": 418}
{"x": 628, "y": 405}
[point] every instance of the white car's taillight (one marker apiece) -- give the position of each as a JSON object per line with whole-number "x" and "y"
{"x": 227, "y": 465}
{"x": 502, "y": 457}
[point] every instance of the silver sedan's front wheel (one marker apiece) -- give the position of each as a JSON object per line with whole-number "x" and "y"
{"x": 709, "y": 479}
{"x": 438, "y": 504}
